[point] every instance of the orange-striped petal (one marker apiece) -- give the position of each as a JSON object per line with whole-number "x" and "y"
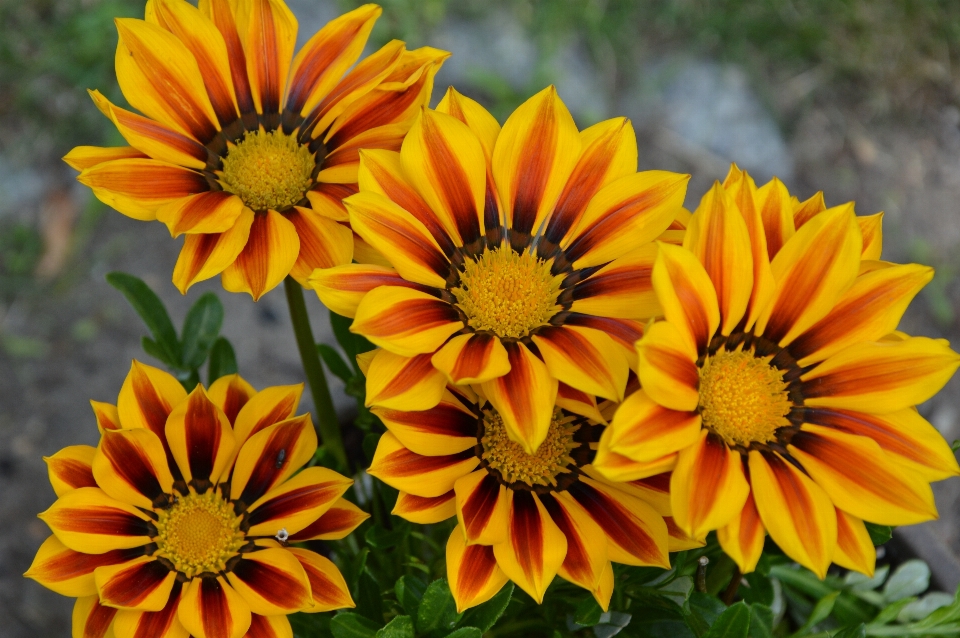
{"x": 625, "y": 332}
{"x": 131, "y": 466}
{"x": 859, "y": 478}
{"x": 143, "y": 583}
{"x": 405, "y": 321}
{"x": 107, "y": 415}
{"x": 296, "y": 503}
{"x": 626, "y": 214}
{"x": 855, "y": 550}
{"x": 91, "y": 619}
{"x": 904, "y": 436}
{"x": 708, "y": 488}
{"x": 200, "y": 438}
{"x": 271, "y": 456}
{"x": 776, "y": 211}
{"x": 416, "y": 474}
{"x": 718, "y": 237}
{"x": 425, "y": 509}
{"x": 269, "y": 627}
{"x": 328, "y": 589}
{"x": 131, "y": 623}
{"x": 524, "y": 397}
{"x": 872, "y": 229}
{"x": 70, "y": 573}
{"x": 577, "y": 402}
{"x": 533, "y": 158}
{"x": 477, "y": 119}
{"x": 271, "y": 251}
{"x": 230, "y": 393}
{"x": 271, "y": 581}
{"x": 472, "y": 572}
{"x": 324, "y": 243}
{"x": 139, "y": 187}
{"x": 687, "y": 295}
{"x": 811, "y": 272}
{"x": 472, "y": 358}
{"x": 403, "y": 383}
{"x": 585, "y": 359}
{"x": 535, "y": 547}
{"x": 83, "y": 157}
{"x": 397, "y": 233}
{"x": 805, "y": 210}
{"x": 880, "y": 377}
{"x": 327, "y": 200}
{"x": 796, "y": 512}
{"x": 210, "y": 608}
{"x": 868, "y": 310}
{"x": 147, "y": 397}
{"x": 265, "y": 408}
{"x": 88, "y": 520}
{"x": 446, "y": 428}
{"x": 586, "y": 557}
{"x": 645, "y": 431}
{"x": 653, "y": 490}
{"x": 205, "y": 256}
{"x": 71, "y": 468}
{"x": 616, "y": 467}
{"x": 482, "y": 508}
{"x": 667, "y": 369}
{"x": 342, "y": 518}
{"x": 221, "y": 13}
{"x": 269, "y": 33}
{"x": 343, "y": 287}
{"x": 210, "y": 212}
{"x": 623, "y": 288}
{"x": 742, "y": 538}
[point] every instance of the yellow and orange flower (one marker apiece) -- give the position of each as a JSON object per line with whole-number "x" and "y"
{"x": 777, "y": 387}
{"x": 522, "y": 517}
{"x": 244, "y": 151}
{"x": 514, "y": 259}
{"x": 179, "y": 521}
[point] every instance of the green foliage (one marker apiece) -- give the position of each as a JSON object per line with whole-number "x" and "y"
{"x": 199, "y": 339}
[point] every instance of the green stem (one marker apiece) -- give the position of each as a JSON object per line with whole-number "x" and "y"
{"x": 328, "y": 428}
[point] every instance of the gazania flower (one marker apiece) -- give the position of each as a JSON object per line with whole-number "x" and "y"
{"x": 517, "y": 259}
{"x": 523, "y": 517}
{"x": 777, "y": 385}
{"x": 180, "y": 521}
{"x": 245, "y": 152}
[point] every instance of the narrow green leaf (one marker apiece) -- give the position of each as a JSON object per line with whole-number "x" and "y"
{"x": 465, "y": 632}
{"x": 733, "y": 623}
{"x": 409, "y": 591}
{"x": 892, "y": 611}
{"x": 335, "y": 362}
{"x": 438, "y": 610}
{"x": 955, "y": 445}
{"x": 310, "y": 625}
{"x": 920, "y": 609}
{"x": 587, "y": 613}
{"x": 369, "y": 600}
{"x": 154, "y": 349}
{"x": 352, "y": 344}
{"x": 200, "y": 330}
{"x": 399, "y": 627}
{"x": 485, "y": 616}
{"x": 151, "y": 310}
{"x": 379, "y": 538}
{"x": 879, "y": 534}
{"x": 350, "y": 625}
{"x": 820, "y": 612}
{"x": 705, "y": 607}
{"x": 223, "y": 361}
{"x": 859, "y": 631}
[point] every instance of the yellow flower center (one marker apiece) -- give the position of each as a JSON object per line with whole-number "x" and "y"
{"x": 743, "y": 398}
{"x": 507, "y": 293}
{"x": 199, "y": 533}
{"x": 515, "y": 465}
{"x": 268, "y": 170}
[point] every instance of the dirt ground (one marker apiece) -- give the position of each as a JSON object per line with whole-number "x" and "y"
{"x": 76, "y": 343}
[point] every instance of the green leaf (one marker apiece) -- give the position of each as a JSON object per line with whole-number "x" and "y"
{"x": 223, "y": 361}
{"x": 438, "y": 610}
{"x": 369, "y": 600}
{"x": 352, "y": 344}
{"x": 760, "y": 589}
{"x": 350, "y": 625}
{"x": 335, "y": 362}
{"x": 920, "y": 609}
{"x": 859, "y": 631}
{"x": 587, "y": 613}
{"x": 151, "y": 310}
{"x": 465, "y": 632}
{"x": 879, "y": 534}
{"x": 379, "y": 538}
{"x": 200, "y": 330}
{"x": 910, "y": 579}
{"x": 820, "y": 612}
{"x": 485, "y": 616}
{"x": 892, "y": 611}
{"x": 761, "y": 621}
{"x": 310, "y": 625}
{"x": 153, "y": 349}
{"x": 370, "y": 443}
{"x": 861, "y": 582}
{"x": 399, "y": 627}
{"x": 733, "y": 623}
{"x": 955, "y": 445}
{"x": 706, "y": 607}
{"x": 409, "y": 591}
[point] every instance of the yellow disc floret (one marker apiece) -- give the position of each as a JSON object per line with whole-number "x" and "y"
{"x": 743, "y": 398}
{"x": 199, "y": 533}
{"x": 268, "y": 171}
{"x": 515, "y": 465}
{"x": 507, "y": 293}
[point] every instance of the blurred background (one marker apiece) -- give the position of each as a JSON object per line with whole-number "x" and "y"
{"x": 858, "y": 99}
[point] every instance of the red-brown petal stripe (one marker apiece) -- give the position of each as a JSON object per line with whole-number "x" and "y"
{"x": 312, "y": 250}
{"x": 322, "y": 588}
{"x": 203, "y": 434}
{"x": 476, "y": 567}
{"x": 316, "y": 63}
{"x": 274, "y": 585}
{"x": 412, "y": 374}
{"x": 131, "y": 464}
{"x": 267, "y": 57}
{"x": 130, "y": 587}
{"x": 626, "y": 331}
{"x": 659, "y": 482}
{"x": 224, "y": 20}
{"x": 868, "y": 425}
{"x": 479, "y": 507}
{"x": 148, "y": 128}
{"x": 616, "y": 522}
{"x": 265, "y": 472}
{"x": 215, "y": 609}
{"x": 69, "y": 564}
{"x": 453, "y": 182}
{"x": 474, "y": 356}
{"x": 294, "y": 501}
{"x": 403, "y": 462}
{"x": 234, "y": 401}
{"x": 398, "y": 233}
{"x": 526, "y": 533}
{"x": 443, "y": 419}
{"x": 795, "y": 494}
{"x": 154, "y": 408}
{"x": 674, "y": 364}
{"x": 879, "y": 376}
{"x": 414, "y": 503}
{"x": 534, "y": 172}
{"x": 334, "y": 519}
{"x": 260, "y": 628}
{"x": 150, "y": 181}
{"x": 99, "y": 620}
{"x": 422, "y": 313}
{"x": 615, "y": 282}
{"x": 577, "y": 560}
{"x": 201, "y": 207}
{"x": 102, "y": 520}
{"x": 72, "y": 472}
{"x": 385, "y": 109}
{"x": 157, "y": 623}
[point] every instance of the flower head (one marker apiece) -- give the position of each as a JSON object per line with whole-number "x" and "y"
{"x": 521, "y": 516}
{"x": 244, "y": 148}
{"x": 512, "y": 259}
{"x": 180, "y": 520}
{"x": 777, "y": 386}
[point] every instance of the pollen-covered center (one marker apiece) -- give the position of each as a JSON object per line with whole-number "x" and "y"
{"x": 742, "y": 397}
{"x": 515, "y": 465}
{"x": 268, "y": 171}
{"x": 506, "y": 292}
{"x": 199, "y": 533}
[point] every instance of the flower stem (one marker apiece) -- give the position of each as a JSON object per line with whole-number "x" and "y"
{"x": 328, "y": 428}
